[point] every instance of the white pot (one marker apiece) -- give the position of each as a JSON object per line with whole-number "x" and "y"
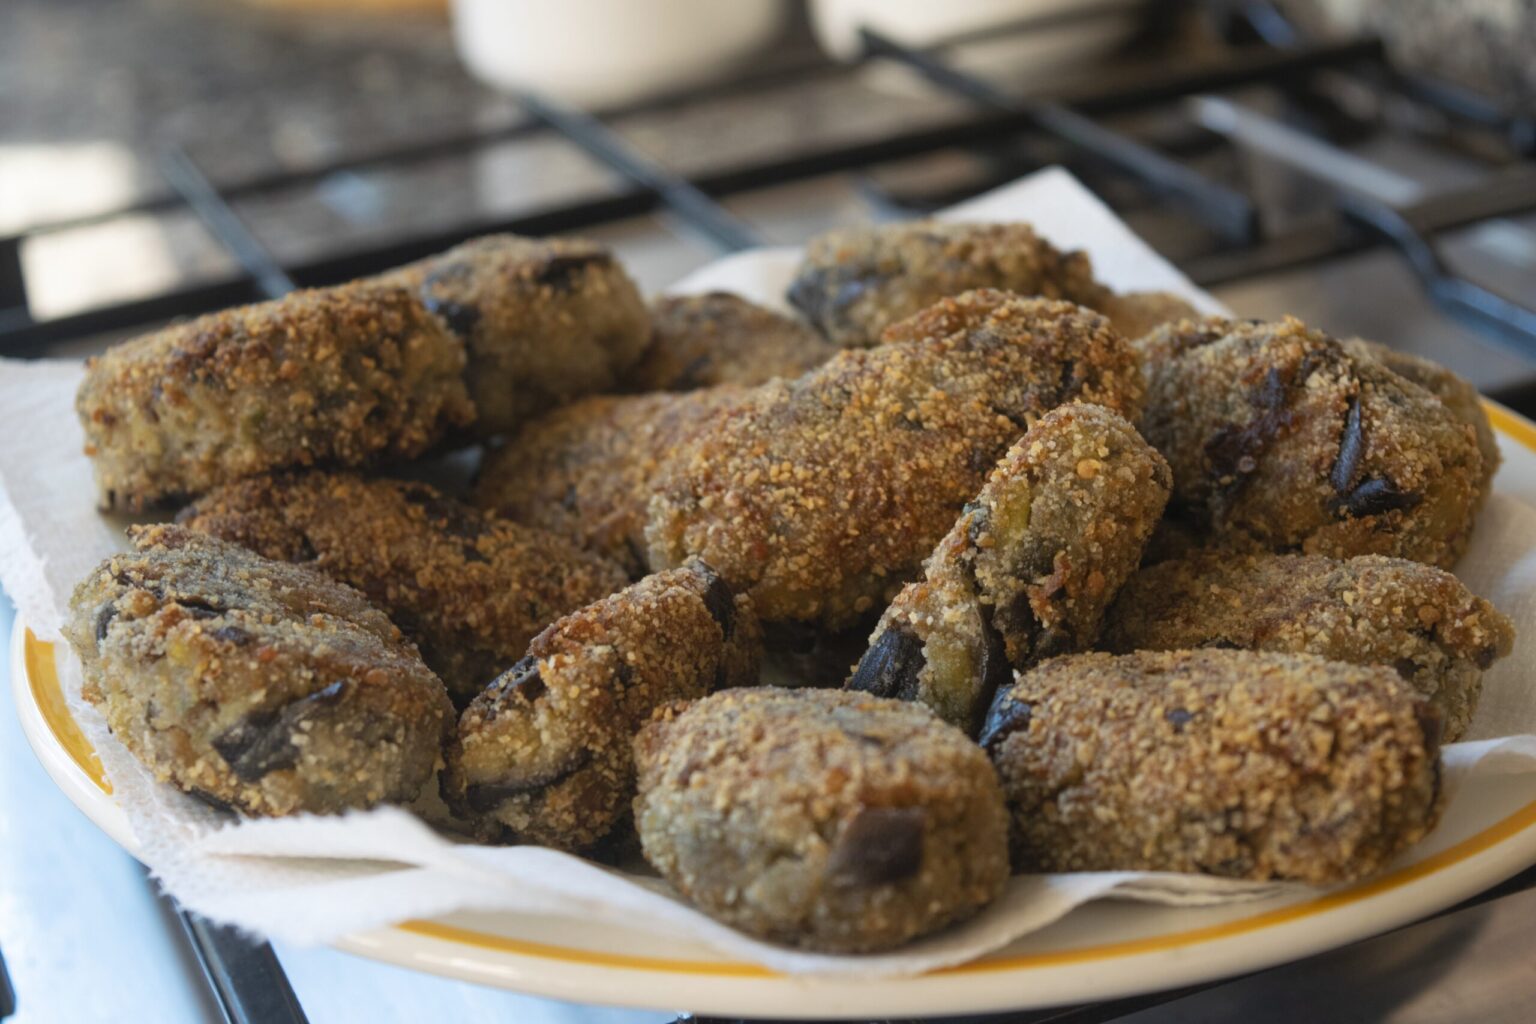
{"x": 595, "y": 53}
{"x": 920, "y": 23}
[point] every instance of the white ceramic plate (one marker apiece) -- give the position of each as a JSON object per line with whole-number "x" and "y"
{"x": 1100, "y": 951}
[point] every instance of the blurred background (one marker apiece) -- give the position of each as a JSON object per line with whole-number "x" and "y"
{"x": 1368, "y": 165}
{"x": 347, "y": 134}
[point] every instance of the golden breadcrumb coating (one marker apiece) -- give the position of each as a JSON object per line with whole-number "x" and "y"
{"x": 254, "y": 684}
{"x": 346, "y": 376}
{"x": 827, "y": 820}
{"x": 1028, "y": 569}
{"x": 483, "y": 336}
{"x": 821, "y": 496}
{"x": 1421, "y": 621}
{"x": 1280, "y": 440}
{"x": 469, "y": 587}
{"x": 1137, "y": 313}
{"x": 1459, "y": 396}
{"x": 1233, "y": 763}
{"x": 588, "y": 471}
{"x": 544, "y": 753}
{"x": 543, "y": 320}
{"x": 699, "y": 341}
{"x": 855, "y": 282}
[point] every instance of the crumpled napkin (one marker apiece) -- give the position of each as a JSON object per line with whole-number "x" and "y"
{"x": 311, "y": 879}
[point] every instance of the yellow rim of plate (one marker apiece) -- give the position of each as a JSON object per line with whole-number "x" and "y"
{"x": 43, "y": 678}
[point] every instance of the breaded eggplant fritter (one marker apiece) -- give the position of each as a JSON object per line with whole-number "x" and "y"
{"x": 588, "y": 471}
{"x": 543, "y": 320}
{"x": 699, "y": 341}
{"x": 253, "y": 684}
{"x": 1137, "y": 313}
{"x": 1459, "y": 396}
{"x": 1421, "y": 621}
{"x": 821, "y": 496}
{"x": 1233, "y": 763}
{"x": 543, "y": 755}
{"x": 1280, "y": 440}
{"x": 855, "y": 282}
{"x": 469, "y": 587}
{"x": 831, "y": 821}
{"x": 1027, "y": 570}
{"x": 480, "y": 337}
{"x": 346, "y": 376}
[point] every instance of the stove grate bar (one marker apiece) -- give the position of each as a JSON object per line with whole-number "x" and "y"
{"x": 1231, "y": 214}
{"x": 681, "y": 196}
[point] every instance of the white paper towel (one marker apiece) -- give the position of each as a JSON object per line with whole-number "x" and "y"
{"x": 313, "y": 879}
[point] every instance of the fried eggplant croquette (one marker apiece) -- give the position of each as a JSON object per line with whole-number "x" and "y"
{"x": 1233, "y": 763}
{"x": 822, "y": 496}
{"x": 1028, "y": 569}
{"x": 827, "y": 820}
{"x": 1280, "y": 440}
{"x": 1137, "y": 313}
{"x": 543, "y": 320}
{"x": 587, "y": 471}
{"x": 384, "y": 369}
{"x": 699, "y": 341}
{"x": 855, "y": 282}
{"x": 346, "y": 376}
{"x": 1421, "y": 621}
{"x": 470, "y": 588}
{"x": 543, "y": 754}
{"x": 1459, "y": 396}
{"x": 253, "y": 684}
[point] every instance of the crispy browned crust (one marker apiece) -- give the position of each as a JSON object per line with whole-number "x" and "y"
{"x": 1028, "y": 569}
{"x": 699, "y": 341}
{"x": 1137, "y": 313}
{"x": 821, "y": 496}
{"x": 469, "y": 587}
{"x": 1421, "y": 621}
{"x": 543, "y": 320}
{"x": 855, "y": 282}
{"x": 588, "y": 471}
{"x": 254, "y": 684}
{"x": 481, "y": 336}
{"x": 1280, "y": 440}
{"x": 1459, "y": 396}
{"x": 1233, "y": 763}
{"x": 346, "y": 376}
{"x": 544, "y": 753}
{"x": 827, "y": 820}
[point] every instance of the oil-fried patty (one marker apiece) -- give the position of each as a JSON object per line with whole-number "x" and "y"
{"x": 344, "y": 376}
{"x": 1234, "y": 763}
{"x": 543, "y": 320}
{"x": 1421, "y": 621}
{"x": 702, "y": 340}
{"x": 827, "y": 820}
{"x": 482, "y": 337}
{"x": 855, "y": 282}
{"x": 469, "y": 587}
{"x": 543, "y": 755}
{"x": 1027, "y": 570}
{"x": 254, "y": 684}
{"x": 821, "y": 496}
{"x": 588, "y": 471}
{"x": 1459, "y": 396}
{"x": 1281, "y": 440}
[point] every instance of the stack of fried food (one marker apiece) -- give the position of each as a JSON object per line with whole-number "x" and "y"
{"x": 1059, "y": 579}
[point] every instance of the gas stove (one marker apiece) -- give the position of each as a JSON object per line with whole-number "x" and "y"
{"x": 1288, "y": 174}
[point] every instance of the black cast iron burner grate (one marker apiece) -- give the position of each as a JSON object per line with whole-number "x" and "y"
{"x": 244, "y": 975}
{"x": 1267, "y": 52}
